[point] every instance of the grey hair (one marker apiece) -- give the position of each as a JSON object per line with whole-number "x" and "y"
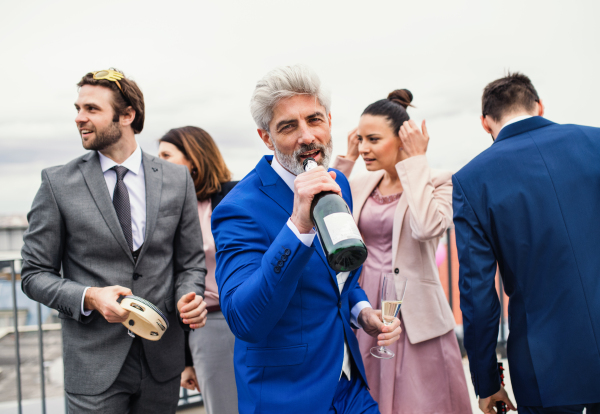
{"x": 285, "y": 82}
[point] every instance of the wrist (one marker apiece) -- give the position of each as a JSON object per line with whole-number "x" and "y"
{"x": 302, "y": 227}
{"x": 350, "y": 157}
{"x": 89, "y": 302}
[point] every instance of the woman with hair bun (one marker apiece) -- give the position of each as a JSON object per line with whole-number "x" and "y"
{"x": 403, "y": 207}
{"x": 209, "y": 351}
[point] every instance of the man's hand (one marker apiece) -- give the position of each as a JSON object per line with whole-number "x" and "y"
{"x": 414, "y": 142}
{"x": 370, "y": 320}
{"x": 488, "y": 405}
{"x": 104, "y": 300}
{"x": 306, "y": 186}
{"x": 352, "y": 152}
{"x": 189, "y": 379}
{"x": 192, "y": 310}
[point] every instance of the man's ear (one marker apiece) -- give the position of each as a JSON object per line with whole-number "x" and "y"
{"x": 127, "y": 117}
{"x": 266, "y": 137}
{"x": 329, "y": 116}
{"x": 485, "y": 125}
{"x": 540, "y": 108}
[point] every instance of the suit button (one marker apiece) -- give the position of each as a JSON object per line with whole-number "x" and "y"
{"x": 280, "y": 263}
{"x": 283, "y": 257}
{"x": 396, "y": 270}
{"x": 340, "y": 304}
{"x": 287, "y": 252}
{"x": 277, "y": 269}
{"x": 136, "y": 276}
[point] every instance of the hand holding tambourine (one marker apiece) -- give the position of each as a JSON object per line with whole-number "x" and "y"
{"x": 145, "y": 319}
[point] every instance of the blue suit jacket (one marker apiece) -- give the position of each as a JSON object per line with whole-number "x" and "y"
{"x": 281, "y": 300}
{"x": 531, "y": 203}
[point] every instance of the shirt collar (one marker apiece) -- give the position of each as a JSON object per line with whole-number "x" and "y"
{"x": 133, "y": 163}
{"x": 515, "y": 119}
{"x": 285, "y": 175}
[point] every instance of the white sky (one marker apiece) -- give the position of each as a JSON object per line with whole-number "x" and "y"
{"x": 197, "y": 63}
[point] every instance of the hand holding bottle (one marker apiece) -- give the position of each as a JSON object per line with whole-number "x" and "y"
{"x": 306, "y": 186}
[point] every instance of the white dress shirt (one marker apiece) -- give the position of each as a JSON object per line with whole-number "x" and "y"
{"x": 307, "y": 240}
{"x": 136, "y": 187}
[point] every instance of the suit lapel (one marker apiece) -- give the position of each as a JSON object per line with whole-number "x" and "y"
{"x": 362, "y": 194}
{"x": 153, "y": 175}
{"x": 94, "y": 178}
{"x": 401, "y": 209}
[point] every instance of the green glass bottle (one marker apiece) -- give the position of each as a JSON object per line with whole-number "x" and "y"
{"x": 338, "y": 233}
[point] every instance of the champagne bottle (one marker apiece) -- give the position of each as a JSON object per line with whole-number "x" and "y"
{"x": 338, "y": 234}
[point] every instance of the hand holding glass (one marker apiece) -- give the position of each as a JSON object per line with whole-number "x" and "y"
{"x": 390, "y": 306}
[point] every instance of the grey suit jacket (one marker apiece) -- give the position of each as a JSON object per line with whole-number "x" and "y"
{"x": 73, "y": 223}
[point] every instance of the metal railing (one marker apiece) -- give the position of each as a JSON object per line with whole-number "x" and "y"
{"x": 186, "y": 399}
{"x": 13, "y": 280}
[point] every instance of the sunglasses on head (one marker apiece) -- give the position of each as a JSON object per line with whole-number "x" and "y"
{"x": 110, "y": 75}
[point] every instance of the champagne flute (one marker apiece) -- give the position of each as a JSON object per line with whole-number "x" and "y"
{"x": 391, "y": 300}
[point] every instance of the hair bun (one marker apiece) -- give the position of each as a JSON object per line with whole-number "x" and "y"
{"x": 402, "y": 97}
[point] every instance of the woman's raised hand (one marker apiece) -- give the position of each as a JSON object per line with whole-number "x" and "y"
{"x": 352, "y": 153}
{"x": 414, "y": 142}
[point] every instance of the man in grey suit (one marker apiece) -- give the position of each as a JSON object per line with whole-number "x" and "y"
{"x": 119, "y": 222}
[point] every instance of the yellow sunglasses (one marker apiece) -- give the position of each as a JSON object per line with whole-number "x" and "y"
{"x": 110, "y": 75}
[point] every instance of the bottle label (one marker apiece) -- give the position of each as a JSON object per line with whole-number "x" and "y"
{"x": 341, "y": 226}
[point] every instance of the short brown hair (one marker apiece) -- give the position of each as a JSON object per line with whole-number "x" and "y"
{"x": 512, "y": 92}
{"x": 209, "y": 170}
{"x": 130, "y": 96}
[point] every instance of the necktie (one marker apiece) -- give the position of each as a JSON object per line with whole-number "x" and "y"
{"x": 122, "y": 206}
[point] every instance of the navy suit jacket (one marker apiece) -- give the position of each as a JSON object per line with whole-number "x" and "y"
{"x": 531, "y": 204}
{"x": 281, "y": 300}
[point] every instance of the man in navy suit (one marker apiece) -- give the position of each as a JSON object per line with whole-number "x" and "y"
{"x": 295, "y": 351}
{"x": 531, "y": 204}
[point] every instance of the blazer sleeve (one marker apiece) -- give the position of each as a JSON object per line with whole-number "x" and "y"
{"x": 42, "y": 254}
{"x": 188, "y": 254}
{"x": 478, "y": 297}
{"x": 430, "y": 206}
{"x": 256, "y": 277}
{"x": 344, "y": 165}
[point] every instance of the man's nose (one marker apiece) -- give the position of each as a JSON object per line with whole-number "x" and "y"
{"x": 306, "y": 136}
{"x": 80, "y": 118}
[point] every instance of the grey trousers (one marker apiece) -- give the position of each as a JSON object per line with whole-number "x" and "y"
{"x": 134, "y": 391}
{"x": 212, "y": 352}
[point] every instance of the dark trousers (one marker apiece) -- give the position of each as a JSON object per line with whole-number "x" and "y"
{"x": 134, "y": 391}
{"x": 353, "y": 397}
{"x": 564, "y": 409}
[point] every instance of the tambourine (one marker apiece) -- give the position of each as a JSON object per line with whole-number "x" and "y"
{"x": 145, "y": 319}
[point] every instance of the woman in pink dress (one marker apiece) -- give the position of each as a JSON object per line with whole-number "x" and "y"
{"x": 402, "y": 208}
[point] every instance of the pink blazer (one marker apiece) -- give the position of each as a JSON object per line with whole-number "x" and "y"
{"x": 423, "y": 214}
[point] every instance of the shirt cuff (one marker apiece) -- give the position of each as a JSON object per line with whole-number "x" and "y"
{"x": 306, "y": 239}
{"x": 356, "y": 311}
{"x": 83, "y": 311}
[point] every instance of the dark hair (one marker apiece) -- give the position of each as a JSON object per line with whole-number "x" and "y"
{"x": 130, "y": 96}
{"x": 209, "y": 170}
{"x": 393, "y": 108}
{"x": 512, "y": 92}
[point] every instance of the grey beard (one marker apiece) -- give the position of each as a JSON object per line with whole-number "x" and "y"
{"x": 293, "y": 162}
{"x": 105, "y": 138}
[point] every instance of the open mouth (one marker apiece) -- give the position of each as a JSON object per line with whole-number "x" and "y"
{"x": 315, "y": 153}
{"x": 85, "y": 133}
{"x": 369, "y": 160}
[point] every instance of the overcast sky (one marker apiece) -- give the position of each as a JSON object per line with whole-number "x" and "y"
{"x": 198, "y": 62}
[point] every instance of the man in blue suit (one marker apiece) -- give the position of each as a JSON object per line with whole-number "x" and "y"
{"x": 531, "y": 204}
{"x": 295, "y": 351}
